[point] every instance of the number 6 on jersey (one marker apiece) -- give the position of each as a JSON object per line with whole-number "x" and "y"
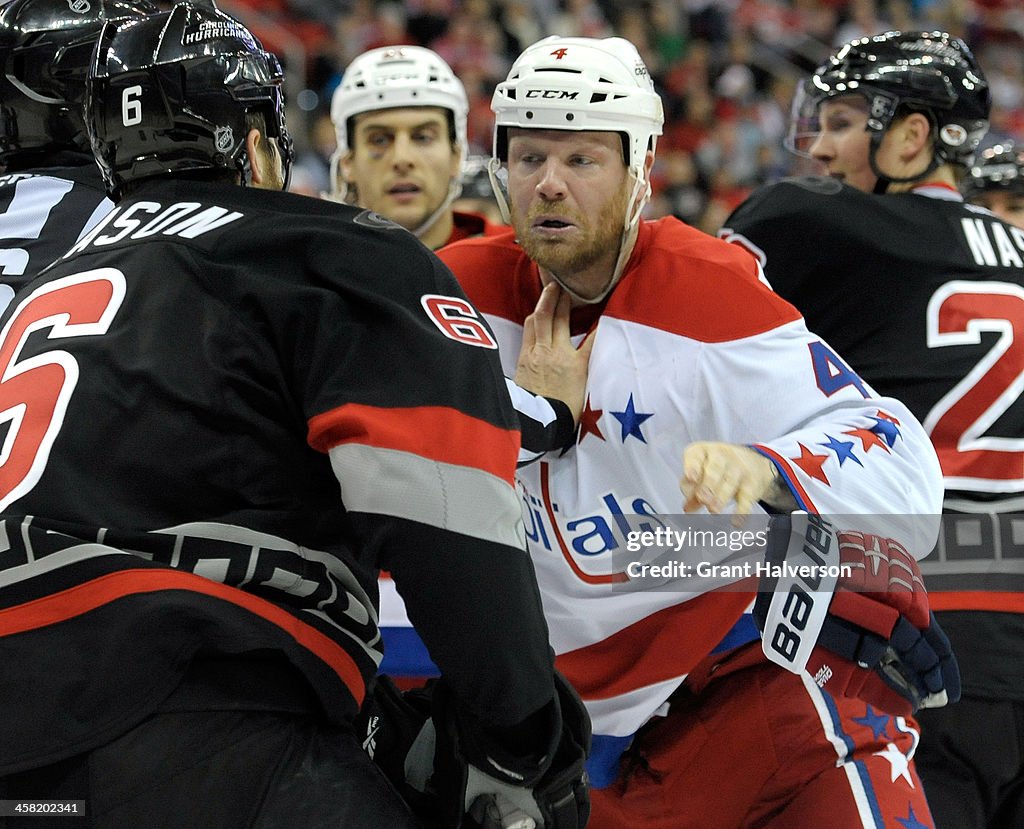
{"x": 35, "y": 391}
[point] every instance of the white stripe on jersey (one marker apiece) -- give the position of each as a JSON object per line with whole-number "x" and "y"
{"x": 405, "y": 485}
{"x": 860, "y": 796}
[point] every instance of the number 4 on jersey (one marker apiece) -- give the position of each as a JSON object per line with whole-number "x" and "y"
{"x": 831, "y": 373}
{"x": 35, "y": 391}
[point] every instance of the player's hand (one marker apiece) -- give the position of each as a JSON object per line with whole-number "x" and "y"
{"x": 868, "y": 635}
{"x": 549, "y": 364}
{"x": 880, "y": 619}
{"x": 717, "y": 474}
{"x": 451, "y": 774}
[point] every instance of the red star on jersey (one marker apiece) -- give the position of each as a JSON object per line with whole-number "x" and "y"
{"x": 887, "y": 416}
{"x": 811, "y": 464}
{"x": 588, "y": 422}
{"x": 868, "y": 439}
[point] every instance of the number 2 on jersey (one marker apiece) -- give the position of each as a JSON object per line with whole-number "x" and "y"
{"x": 958, "y": 314}
{"x": 35, "y": 390}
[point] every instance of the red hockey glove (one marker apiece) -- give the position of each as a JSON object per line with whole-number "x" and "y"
{"x": 869, "y": 634}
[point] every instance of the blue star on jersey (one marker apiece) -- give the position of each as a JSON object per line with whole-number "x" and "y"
{"x": 630, "y": 420}
{"x": 886, "y": 427}
{"x": 842, "y": 448}
{"x": 875, "y": 721}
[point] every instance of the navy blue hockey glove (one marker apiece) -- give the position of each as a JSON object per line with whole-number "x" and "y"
{"x": 868, "y": 635}
{"x": 453, "y": 779}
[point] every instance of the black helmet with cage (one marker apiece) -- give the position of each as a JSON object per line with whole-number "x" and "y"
{"x": 45, "y": 50}
{"x": 174, "y": 94}
{"x": 899, "y": 72}
{"x": 997, "y": 168}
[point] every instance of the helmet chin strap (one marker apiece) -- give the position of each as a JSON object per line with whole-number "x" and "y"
{"x": 454, "y": 191}
{"x": 882, "y": 181}
{"x": 638, "y": 197}
{"x": 335, "y": 193}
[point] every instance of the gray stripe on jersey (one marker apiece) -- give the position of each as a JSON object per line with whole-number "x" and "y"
{"x": 405, "y": 485}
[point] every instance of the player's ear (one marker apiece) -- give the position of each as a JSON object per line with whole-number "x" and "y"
{"x": 253, "y": 139}
{"x": 345, "y": 168}
{"x": 915, "y": 130}
{"x": 648, "y": 163}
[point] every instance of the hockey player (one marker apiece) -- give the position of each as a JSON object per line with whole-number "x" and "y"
{"x": 400, "y": 115}
{"x": 189, "y": 619}
{"x": 996, "y": 181}
{"x": 695, "y": 358}
{"x": 50, "y": 188}
{"x": 919, "y": 292}
{"x": 400, "y": 119}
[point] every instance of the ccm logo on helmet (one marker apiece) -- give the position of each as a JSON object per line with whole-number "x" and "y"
{"x": 458, "y": 320}
{"x": 560, "y": 94}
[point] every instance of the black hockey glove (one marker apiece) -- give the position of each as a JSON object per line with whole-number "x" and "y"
{"x": 869, "y": 635}
{"x": 388, "y": 726}
{"x": 452, "y": 780}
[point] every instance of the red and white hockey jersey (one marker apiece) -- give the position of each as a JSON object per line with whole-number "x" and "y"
{"x": 691, "y": 346}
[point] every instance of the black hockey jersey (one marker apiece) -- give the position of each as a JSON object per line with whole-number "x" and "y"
{"x": 924, "y": 296}
{"x": 186, "y": 390}
{"x": 43, "y": 212}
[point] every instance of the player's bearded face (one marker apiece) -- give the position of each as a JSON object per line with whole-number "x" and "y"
{"x": 568, "y": 195}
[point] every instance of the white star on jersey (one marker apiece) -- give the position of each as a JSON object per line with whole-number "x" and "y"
{"x": 899, "y": 761}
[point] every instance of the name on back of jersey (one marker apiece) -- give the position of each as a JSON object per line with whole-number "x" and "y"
{"x": 141, "y": 220}
{"x": 993, "y": 243}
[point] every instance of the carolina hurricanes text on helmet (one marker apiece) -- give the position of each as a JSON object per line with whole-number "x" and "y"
{"x": 216, "y": 29}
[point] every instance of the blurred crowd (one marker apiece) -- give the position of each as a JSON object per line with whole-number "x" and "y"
{"x": 726, "y": 70}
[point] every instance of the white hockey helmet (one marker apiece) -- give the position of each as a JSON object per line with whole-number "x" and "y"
{"x": 398, "y": 76}
{"x": 579, "y": 83}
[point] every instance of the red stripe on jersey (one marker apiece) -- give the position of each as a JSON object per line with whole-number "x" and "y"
{"x": 806, "y": 502}
{"x": 678, "y": 279}
{"x": 664, "y": 645}
{"x": 94, "y": 594}
{"x": 434, "y": 432}
{"x": 995, "y": 600}
{"x": 607, "y": 578}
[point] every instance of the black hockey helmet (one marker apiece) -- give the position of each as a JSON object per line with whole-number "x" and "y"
{"x": 45, "y": 50}
{"x": 930, "y": 72}
{"x": 997, "y": 168}
{"x": 170, "y": 94}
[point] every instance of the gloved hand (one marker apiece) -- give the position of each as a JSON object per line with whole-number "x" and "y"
{"x": 868, "y": 634}
{"x": 453, "y": 777}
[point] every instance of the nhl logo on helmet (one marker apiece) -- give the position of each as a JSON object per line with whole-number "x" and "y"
{"x": 223, "y": 138}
